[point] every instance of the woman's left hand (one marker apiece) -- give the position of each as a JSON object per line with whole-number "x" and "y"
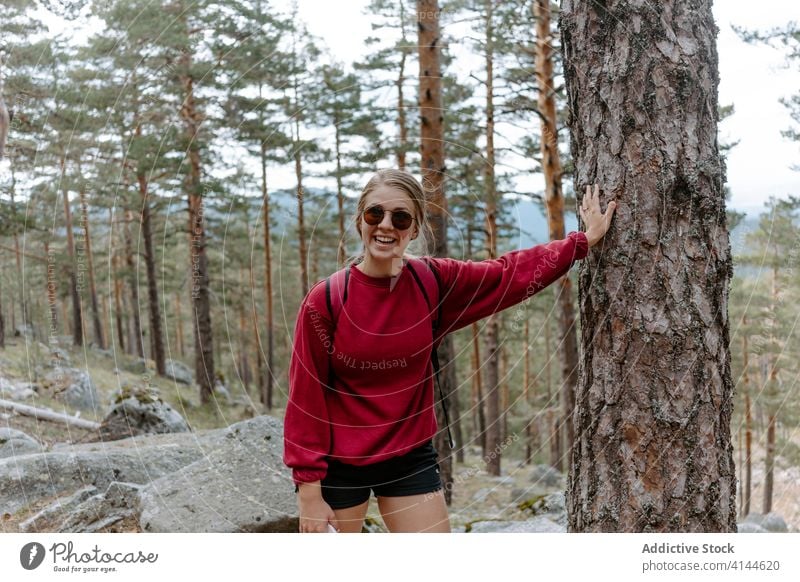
{"x": 597, "y": 223}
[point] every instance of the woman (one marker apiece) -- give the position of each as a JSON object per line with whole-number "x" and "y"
{"x": 360, "y": 416}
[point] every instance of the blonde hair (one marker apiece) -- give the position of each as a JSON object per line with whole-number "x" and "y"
{"x": 406, "y": 182}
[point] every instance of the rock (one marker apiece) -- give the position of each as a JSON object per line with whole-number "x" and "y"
{"x": 18, "y": 392}
{"x": 749, "y": 527}
{"x": 535, "y": 525}
{"x": 67, "y": 468}
{"x": 15, "y": 443}
{"x": 481, "y": 494}
{"x": 179, "y": 372}
{"x": 552, "y": 506}
{"x": 51, "y": 517}
{"x": 120, "y": 500}
{"x": 23, "y": 329}
{"x": 775, "y": 523}
{"x": 239, "y": 485}
{"x": 140, "y": 412}
{"x": 771, "y": 522}
{"x": 75, "y": 388}
{"x": 222, "y": 393}
{"x": 546, "y": 476}
{"x": 139, "y": 366}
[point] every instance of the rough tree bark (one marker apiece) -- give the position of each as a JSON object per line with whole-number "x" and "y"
{"x": 653, "y": 445}
{"x": 433, "y": 172}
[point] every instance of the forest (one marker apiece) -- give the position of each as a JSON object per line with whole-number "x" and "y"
{"x": 146, "y": 251}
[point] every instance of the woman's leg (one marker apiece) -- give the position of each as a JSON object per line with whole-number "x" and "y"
{"x": 351, "y": 519}
{"x": 426, "y": 512}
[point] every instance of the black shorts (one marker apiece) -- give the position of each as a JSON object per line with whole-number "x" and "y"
{"x": 411, "y": 474}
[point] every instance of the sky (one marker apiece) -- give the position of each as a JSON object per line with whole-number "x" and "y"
{"x": 752, "y": 78}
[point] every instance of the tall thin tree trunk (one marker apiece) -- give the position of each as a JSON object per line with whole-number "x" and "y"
{"x": 51, "y": 286}
{"x": 433, "y": 172}
{"x": 298, "y": 171}
{"x": 23, "y": 308}
{"x": 492, "y": 334}
{"x": 181, "y": 344}
{"x": 342, "y": 252}
{"x": 77, "y": 314}
{"x": 119, "y": 314}
{"x": 553, "y": 422}
{"x": 653, "y": 447}
{"x": 99, "y": 338}
{"x": 154, "y": 308}
{"x": 554, "y": 199}
{"x": 477, "y": 400}
{"x": 401, "y": 79}
{"x": 748, "y": 427}
{"x": 267, "y": 387}
{"x": 201, "y": 293}
{"x": 133, "y": 282}
{"x": 2, "y": 320}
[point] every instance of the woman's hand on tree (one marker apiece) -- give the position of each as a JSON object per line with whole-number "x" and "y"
{"x": 597, "y": 223}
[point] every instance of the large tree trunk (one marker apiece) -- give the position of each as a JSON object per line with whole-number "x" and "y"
{"x": 491, "y": 337}
{"x": 77, "y": 315}
{"x": 201, "y": 294}
{"x": 551, "y": 167}
{"x": 652, "y": 421}
{"x": 433, "y": 172}
{"x": 99, "y": 337}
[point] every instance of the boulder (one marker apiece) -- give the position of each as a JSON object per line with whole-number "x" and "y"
{"x": 139, "y": 412}
{"x": 771, "y": 522}
{"x": 67, "y": 468}
{"x": 535, "y": 525}
{"x": 546, "y": 476}
{"x": 50, "y": 518}
{"x": 120, "y": 501}
{"x": 230, "y": 479}
{"x": 749, "y": 527}
{"x": 239, "y": 485}
{"x": 179, "y": 372}
{"x": 15, "y": 443}
{"x": 74, "y": 388}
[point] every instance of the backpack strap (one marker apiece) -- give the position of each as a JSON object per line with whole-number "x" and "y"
{"x": 336, "y": 292}
{"x": 434, "y": 283}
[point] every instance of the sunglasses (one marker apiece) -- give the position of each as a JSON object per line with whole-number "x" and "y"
{"x": 401, "y": 219}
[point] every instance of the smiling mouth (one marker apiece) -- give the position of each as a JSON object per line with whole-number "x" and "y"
{"x": 384, "y": 240}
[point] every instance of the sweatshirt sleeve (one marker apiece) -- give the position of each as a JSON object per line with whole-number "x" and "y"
{"x": 474, "y": 290}
{"x": 307, "y": 433}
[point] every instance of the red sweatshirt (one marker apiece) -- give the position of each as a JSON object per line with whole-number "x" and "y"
{"x": 381, "y": 401}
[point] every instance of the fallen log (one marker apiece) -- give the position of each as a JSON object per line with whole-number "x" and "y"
{"x": 49, "y": 415}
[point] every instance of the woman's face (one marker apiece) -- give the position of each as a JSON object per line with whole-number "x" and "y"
{"x": 384, "y": 241}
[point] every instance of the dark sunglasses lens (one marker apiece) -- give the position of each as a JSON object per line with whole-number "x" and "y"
{"x": 373, "y": 216}
{"x": 401, "y": 220}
